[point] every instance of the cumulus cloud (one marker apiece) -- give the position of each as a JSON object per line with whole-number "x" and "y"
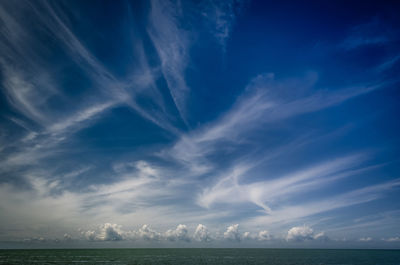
{"x": 201, "y": 234}
{"x": 365, "y": 239}
{"x": 148, "y": 234}
{"x": 300, "y": 233}
{"x": 232, "y": 233}
{"x": 89, "y": 235}
{"x": 180, "y": 233}
{"x": 264, "y": 235}
{"x": 110, "y": 232}
{"x": 303, "y": 233}
{"x": 247, "y": 235}
{"x": 67, "y": 237}
{"x": 107, "y": 232}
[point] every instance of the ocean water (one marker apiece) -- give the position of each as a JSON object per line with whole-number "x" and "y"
{"x": 200, "y": 256}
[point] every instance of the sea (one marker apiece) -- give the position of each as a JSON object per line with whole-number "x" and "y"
{"x": 201, "y": 256}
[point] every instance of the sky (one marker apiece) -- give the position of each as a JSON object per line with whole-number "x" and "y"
{"x": 199, "y": 124}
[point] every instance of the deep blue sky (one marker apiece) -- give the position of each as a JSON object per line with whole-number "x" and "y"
{"x": 199, "y": 123}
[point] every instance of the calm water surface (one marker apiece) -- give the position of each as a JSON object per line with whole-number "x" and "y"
{"x": 200, "y": 256}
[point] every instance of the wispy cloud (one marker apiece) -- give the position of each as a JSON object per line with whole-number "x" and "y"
{"x": 266, "y": 161}
{"x": 30, "y": 88}
{"x": 173, "y": 40}
{"x": 392, "y": 239}
{"x": 222, "y": 16}
{"x": 230, "y": 189}
{"x": 261, "y": 104}
{"x": 373, "y": 32}
{"x": 297, "y": 211}
{"x": 172, "y": 45}
{"x": 147, "y": 185}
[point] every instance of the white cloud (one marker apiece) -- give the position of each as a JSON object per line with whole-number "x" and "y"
{"x": 146, "y": 233}
{"x": 321, "y": 236}
{"x": 221, "y": 15}
{"x": 35, "y": 240}
{"x": 247, "y": 235}
{"x": 229, "y": 190}
{"x": 365, "y": 239}
{"x": 23, "y": 96}
{"x": 201, "y": 234}
{"x": 232, "y": 233}
{"x": 90, "y": 235}
{"x": 172, "y": 46}
{"x": 110, "y": 232}
{"x": 106, "y": 232}
{"x": 295, "y": 212}
{"x": 392, "y": 239}
{"x": 146, "y": 170}
{"x": 300, "y": 233}
{"x": 28, "y": 86}
{"x": 264, "y": 235}
{"x": 260, "y": 104}
{"x": 81, "y": 118}
{"x": 67, "y": 237}
{"x": 180, "y": 233}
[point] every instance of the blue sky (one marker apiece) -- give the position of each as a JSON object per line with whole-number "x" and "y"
{"x": 204, "y": 123}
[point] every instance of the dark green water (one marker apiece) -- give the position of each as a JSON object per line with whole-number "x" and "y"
{"x": 200, "y": 256}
